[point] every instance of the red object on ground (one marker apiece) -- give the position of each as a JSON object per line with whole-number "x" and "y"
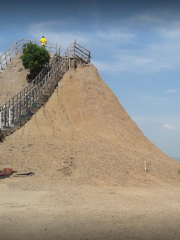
{"x": 6, "y": 171}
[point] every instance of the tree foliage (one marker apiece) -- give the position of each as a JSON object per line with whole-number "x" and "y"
{"x": 33, "y": 58}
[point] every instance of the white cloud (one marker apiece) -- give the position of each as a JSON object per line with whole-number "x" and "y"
{"x": 173, "y": 121}
{"x": 171, "y": 30}
{"x": 148, "y": 97}
{"x": 122, "y": 46}
{"x": 94, "y": 38}
{"x": 131, "y": 63}
{"x": 114, "y": 34}
{"x": 172, "y": 90}
{"x": 148, "y": 17}
{"x": 109, "y": 66}
{"x": 169, "y": 127}
{"x": 61, "y": 37}
{"x": 147, "y": 58}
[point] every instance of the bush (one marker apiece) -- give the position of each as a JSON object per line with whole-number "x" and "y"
{"x": 33, "y": 58}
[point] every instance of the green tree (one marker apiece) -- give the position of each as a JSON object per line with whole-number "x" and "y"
{"x": 33, "y": 58}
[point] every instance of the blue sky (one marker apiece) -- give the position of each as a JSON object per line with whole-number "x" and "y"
{"x": 135, "y": 46}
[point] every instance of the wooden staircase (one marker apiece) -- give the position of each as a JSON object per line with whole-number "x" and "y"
{"x": 19, "y": 109}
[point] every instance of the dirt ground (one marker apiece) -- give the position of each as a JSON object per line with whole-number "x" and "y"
{"x": 89, "y": 161}
{"x": 91, "y": 213}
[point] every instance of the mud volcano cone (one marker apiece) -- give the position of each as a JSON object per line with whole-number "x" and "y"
{"x": 83, "y": 135}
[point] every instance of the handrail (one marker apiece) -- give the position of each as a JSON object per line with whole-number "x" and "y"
{"x": 38, "y": 78}
{"x": 75, "y": 50}
{"x": 20, "y": 105}
{"x": 17, "y": 47}
{"x": 35, "y": 92}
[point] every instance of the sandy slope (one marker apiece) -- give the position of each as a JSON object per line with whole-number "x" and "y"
{"x": 12, "y": 79}
{"x": 84, "y": 136}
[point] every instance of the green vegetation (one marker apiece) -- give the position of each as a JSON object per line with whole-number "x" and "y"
{"x": 33, "y": 58}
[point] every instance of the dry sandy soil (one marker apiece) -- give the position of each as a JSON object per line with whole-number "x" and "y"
{"x": 89, "y": 158}
{"x": 91, "y": 213}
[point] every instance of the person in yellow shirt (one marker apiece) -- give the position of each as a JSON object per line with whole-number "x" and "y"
{"x": 43, "y": 41}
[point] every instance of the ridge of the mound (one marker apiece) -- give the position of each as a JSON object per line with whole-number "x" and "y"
{"x": 83, "y": 135}
{"x": 12, "y": 79}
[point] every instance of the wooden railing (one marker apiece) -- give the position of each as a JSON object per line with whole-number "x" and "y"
{"x": 76, "y": 51}
{"x": 16, "y": 103}
{"x": 17, "y": 47}
{"x": 20, "y": 105}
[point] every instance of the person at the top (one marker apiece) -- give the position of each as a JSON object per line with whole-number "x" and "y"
{"x": 43, "y": 41}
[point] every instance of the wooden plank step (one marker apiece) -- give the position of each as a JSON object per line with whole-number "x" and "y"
{"x": 49, "y": 89}
{"x": 34, "y": 109}
{"x": 2, "y": 137}
{"x": 23, "y": 121}
{"x": 17, "y": 125}
{"x": 47, "y": 94}
{"x": 40, "y": 102}
{"x": 44, "y": 97}
{"x": 7, "y": 132}
{"x": 52, "y": 85}
{"x": 61, "y": 74}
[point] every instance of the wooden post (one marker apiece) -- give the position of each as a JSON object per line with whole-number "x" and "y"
{"x": 56, "y": 47}
{"x": 74, "y": 48}
{"x": 17, "y": 106}
{"x": 1, "y": 62}
{"x": 0, "y": 121}
{"x": 33, "y": 97}
{"x": 36, "y": 89}
{"x": 30, "y": 97}
{"x": 26, "y": 103}
{"x": 12, "y": 114}
{"x": 5, "y": 118}
{"x": 5, "y": 58}
{"x": 89, "y": 55}
{"x": 13, "y": 101}
{"x": 50, "y": 48}
{"x": 9, "y": 117}
{"x": 22, "y": 46}
{"x": 20, "y": 109}
{"x": 9, "y": 108}
{"x": 69, "y": 56}
{"x": 16, "y": 49}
